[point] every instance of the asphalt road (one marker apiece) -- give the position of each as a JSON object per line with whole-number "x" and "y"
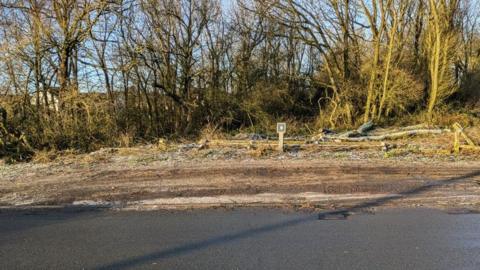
{"x": 239, "y": 239}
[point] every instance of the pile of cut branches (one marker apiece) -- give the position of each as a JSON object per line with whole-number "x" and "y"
{"x": 368, "y": 132}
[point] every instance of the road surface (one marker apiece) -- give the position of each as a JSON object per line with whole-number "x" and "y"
{"x": 238, "y": 239}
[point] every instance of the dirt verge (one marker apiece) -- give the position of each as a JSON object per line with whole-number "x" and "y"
{"x": 319, "y": 183}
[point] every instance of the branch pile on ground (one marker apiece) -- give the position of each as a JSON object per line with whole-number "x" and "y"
{"x": 368, "y": 132}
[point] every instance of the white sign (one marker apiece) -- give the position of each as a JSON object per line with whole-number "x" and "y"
{"x": 281, "y": 127}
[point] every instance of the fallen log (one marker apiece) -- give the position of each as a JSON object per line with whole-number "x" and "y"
{"x": 381, "y": 131}
{"x": 395, "y": 135}
{"x": 363, "y": 129}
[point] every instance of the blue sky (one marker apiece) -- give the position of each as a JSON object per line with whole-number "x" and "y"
{"x": 227, "y": 3}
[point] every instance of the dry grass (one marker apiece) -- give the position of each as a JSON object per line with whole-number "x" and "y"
{"x": 261, "y": 151}
{"x": 125, "y": 140}
{"x": 211, "y": 132}
{"x": 45, "y": 156}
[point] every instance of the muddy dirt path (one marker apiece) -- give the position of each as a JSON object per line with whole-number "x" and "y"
{"x": 300, "y": 183}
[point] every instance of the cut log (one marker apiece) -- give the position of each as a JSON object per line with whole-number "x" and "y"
{"x": 365, "y": 127}
{"x": 414, "y": 127}
{"x": 348, "y": 134}
{"x": 361, "y": 131}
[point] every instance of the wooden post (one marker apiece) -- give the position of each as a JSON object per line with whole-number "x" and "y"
{"x": 280, "y": 141}
{"x": 456, "y": 144}
{"x": 281, "y": 129}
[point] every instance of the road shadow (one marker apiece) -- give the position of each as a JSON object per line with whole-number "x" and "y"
{"x": 219, "y": 240}
{"x": 401, "y": 195}
{"x": 32, "y": 217}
